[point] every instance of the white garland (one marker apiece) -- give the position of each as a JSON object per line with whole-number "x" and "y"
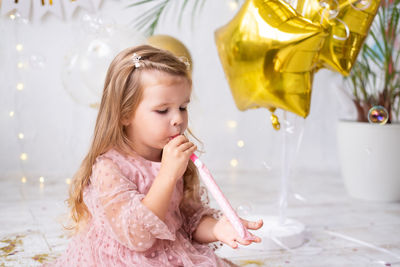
{"x": 63, "y": 9}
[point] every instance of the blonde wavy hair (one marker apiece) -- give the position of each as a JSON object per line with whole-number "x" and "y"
{"x": 122, "y": 94}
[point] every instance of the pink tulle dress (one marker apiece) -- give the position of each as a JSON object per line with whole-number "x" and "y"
{"x": 123, "y": 232}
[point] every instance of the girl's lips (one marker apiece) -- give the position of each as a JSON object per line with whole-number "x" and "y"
{"x": 172, "y": 137}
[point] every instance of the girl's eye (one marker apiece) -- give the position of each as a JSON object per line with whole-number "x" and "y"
{"x": 183, "y": 109}
{"x": 162, "y": 111}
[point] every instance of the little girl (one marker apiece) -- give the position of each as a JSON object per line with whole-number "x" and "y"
{"x": 136, "y": 199}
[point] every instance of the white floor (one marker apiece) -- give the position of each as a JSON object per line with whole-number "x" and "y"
{"x": 340, "y": 231}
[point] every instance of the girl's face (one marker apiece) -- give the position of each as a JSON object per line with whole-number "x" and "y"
{"x": 161, "y": 115}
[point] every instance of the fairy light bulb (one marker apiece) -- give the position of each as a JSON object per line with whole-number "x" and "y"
{"x": 231, "y": 124}
{"x": 240, "y": 143}
{"x": 233, "y": 5}
{"x": 11, "y": 113}
{"x": 12, "y": 16}
{"x": 20, "y": 86}
{"x": 41, "y": 179}
{"x": 21, "y": 136}
{"x": 234, "y": 162}
{"x": 68, "y": 181}
{"x": 23, "y": 156}
{"x": 23, "y": 180}
{"x": 20, "y": 65}
{"x": 19, "y": 47}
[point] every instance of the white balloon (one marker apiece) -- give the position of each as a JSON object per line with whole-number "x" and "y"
{"x": 86, "y": 65}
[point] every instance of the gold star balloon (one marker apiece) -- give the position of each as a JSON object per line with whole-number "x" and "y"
{"x": 269, "y": 54}
{"x": 348, "y": 22}
{"x": 270, "y": 51}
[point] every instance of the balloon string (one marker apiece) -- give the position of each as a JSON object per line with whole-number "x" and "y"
{"x": 300, "y": 139}
{"x": 346, "y": 29}
{"x": 279, "y": 243}
{"x": 316, "y": 250}
{"x": 285, "y": 167}
{"x": 363, "y": 243}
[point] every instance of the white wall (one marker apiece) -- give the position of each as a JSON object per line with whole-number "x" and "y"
{"x": 58, "y": 130}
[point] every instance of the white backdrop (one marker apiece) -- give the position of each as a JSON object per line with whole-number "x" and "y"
{"x": 57, "y": 130}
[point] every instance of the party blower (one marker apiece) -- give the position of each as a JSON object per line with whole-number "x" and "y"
{"x": 220, "y": 198}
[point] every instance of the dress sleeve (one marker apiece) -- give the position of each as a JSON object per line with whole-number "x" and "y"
{"x": 131, "y": 223}
{"x": 194, "y": 211}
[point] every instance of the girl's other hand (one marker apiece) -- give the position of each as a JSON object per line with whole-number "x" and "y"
{"x": 176, "y": 155}
{"x": 224, "y": 232}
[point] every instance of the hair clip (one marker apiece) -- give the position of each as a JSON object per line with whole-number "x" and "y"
{"x": 186, "y": 61}
{"x": 136, "y": 60}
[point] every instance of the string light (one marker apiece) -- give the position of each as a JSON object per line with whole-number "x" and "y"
{"x": 41, "y": 179}
{"x": 20, "y": 86}
{"x": 240, "y": 143}
{"x": 19, "y": 47}
{"x": 23, "y": 156}
{"x": 231, "y": 124}
{"x": 234, "y": 162}
{"x": 20, "y": 64}
{"x": 68, "y": 181}
{"x": 233, "y": 5}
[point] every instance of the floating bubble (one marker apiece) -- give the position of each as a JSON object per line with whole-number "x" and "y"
{"x": 37, "y": 61}
{"x": 299, "y": 197}
{"x": 266, "y": 166}
{"x": 361, "y": 4}
{"x": 97, "y": 25}
{"x": 245, "y": 209}
{"x": 289, "y": 127}
{"x": 19, "y": 18}
{"x": 330, "y": 8}
{"x": 378, "y": 115}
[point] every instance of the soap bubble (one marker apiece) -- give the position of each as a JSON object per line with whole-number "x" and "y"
{"x": 19, "y": 18}
{"x": 37, "y": 61}
{"x": 244, "y": 210}
{"x": 289, "y": 127}
{"x": 378, "y": 115}
{"x": 330, "y": 8}
{"x": 361, "y": 4}
{"x": 266, "y": 166}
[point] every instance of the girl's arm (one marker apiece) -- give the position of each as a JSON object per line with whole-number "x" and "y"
{"x": 203, "y": 233}
{"x": 211, "y": 230}
{"x": 174, "y": 162}
{"x": 159, "y": 196}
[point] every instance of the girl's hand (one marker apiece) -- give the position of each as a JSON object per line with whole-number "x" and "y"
{"x": 224, "y": 232}
{"x": 176, "y": 155}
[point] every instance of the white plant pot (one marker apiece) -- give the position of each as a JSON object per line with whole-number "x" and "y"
{"x": 370, "y": 160}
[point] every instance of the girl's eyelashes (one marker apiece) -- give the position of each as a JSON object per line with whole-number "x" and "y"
{"x": 162, "y": 111}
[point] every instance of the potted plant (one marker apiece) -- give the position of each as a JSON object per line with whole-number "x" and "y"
{"x": 369, "y": 149}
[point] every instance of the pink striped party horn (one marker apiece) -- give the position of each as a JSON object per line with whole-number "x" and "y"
{"x": 221, "y": 199}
